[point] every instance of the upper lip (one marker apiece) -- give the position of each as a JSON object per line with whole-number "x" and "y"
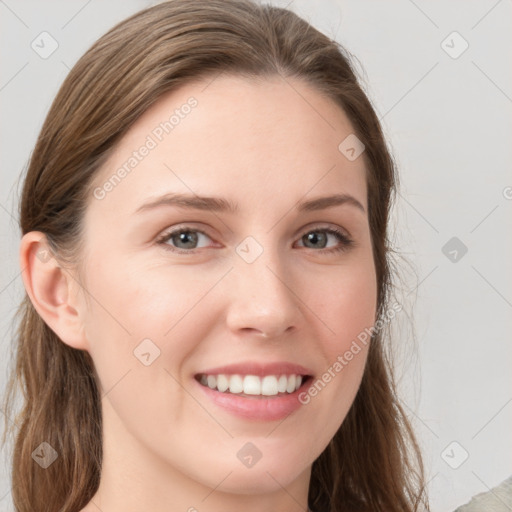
{"x": 260, "y": 369}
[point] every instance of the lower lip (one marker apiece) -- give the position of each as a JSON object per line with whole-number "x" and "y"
{"x": 260, "y": 407}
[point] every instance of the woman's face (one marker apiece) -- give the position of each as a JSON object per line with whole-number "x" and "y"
{"x": 265, "y": 285}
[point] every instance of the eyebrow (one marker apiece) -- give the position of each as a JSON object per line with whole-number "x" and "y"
{"x": 219, "y": 204}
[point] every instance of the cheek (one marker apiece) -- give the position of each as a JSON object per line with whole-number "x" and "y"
{"x": 346, "y": 306}
{"x": 348, "y": 309}
{"x": 355, "y": 309}
{"x": 139, "y": 315}
{"x": 137, "y": 328}
{"x": 346, "y": 303}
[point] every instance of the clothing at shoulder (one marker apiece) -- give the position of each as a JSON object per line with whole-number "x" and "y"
{"x": 498, "y": 499}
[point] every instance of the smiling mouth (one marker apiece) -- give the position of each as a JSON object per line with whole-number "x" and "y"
{"x": 253, "y": 386}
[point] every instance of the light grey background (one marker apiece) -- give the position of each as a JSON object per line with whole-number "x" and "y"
{"x": 449, "y": 124}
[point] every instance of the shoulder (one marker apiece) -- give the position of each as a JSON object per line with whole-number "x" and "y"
{"x": 497, "y": 499}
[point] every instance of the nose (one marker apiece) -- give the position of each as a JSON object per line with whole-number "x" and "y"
{"x": 262, "y": 300}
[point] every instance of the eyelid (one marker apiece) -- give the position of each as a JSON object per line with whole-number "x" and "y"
{"x": 346, "y": 241}
{"x": 321, "y": 226}
{"x": 174, "y": 230}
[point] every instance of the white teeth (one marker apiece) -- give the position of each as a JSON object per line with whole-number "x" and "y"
{"x": 211, "y": 381}
{"x": 290, "y": 388}
{"x": 252, "y": 385}
{"x": 269, "y": 385}
{"x": 282, "y": 383}
{"x": 236, "y": 384}
{"x": 222, "y": 383}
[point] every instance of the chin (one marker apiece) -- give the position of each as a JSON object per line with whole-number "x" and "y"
{"x": 260, "y": 482}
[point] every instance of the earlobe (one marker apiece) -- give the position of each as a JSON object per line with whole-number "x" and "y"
{"x": 48, "y": 286}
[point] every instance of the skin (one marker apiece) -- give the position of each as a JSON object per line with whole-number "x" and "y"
{"x": 267, "y": 145}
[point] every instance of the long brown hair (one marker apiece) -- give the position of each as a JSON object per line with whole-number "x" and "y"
{"x": 373, "y": 463}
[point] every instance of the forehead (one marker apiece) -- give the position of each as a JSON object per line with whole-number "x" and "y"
{"x": 272, "y": 140}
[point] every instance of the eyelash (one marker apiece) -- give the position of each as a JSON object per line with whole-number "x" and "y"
{"x": 346, "y": 242}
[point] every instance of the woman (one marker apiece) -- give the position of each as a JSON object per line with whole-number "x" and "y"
{"x": 206, "y": 262}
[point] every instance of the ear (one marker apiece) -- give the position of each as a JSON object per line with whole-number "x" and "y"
{"x": 51, "y": 291}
